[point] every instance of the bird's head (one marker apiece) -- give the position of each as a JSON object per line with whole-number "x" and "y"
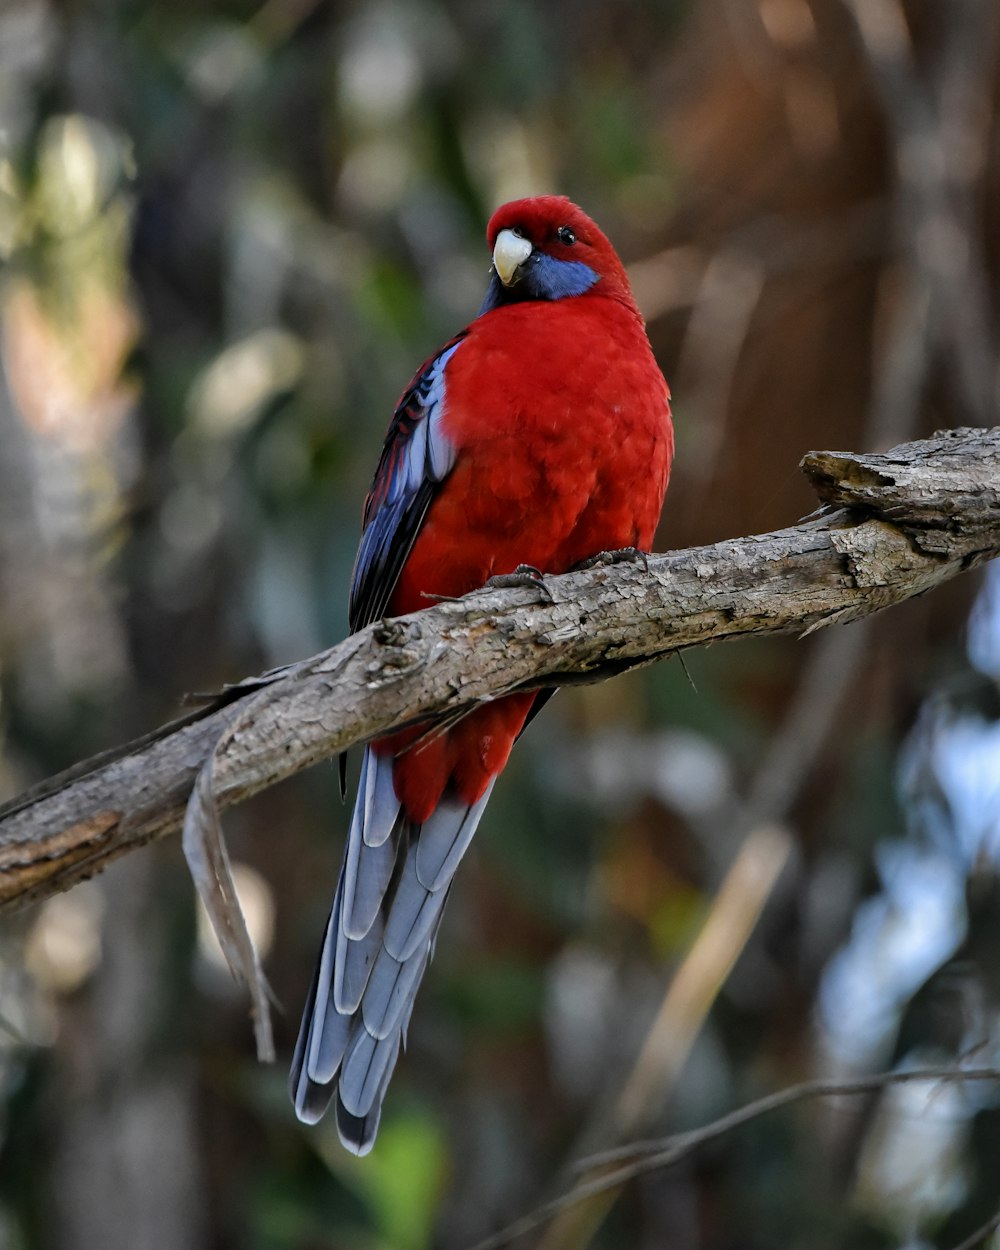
{"x": 545, "y": 248}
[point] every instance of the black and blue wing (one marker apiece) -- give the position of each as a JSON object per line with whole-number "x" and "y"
{"x": 416, "y": 458}
{"x": 396, "y": 874}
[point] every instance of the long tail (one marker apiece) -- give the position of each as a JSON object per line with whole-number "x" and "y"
{"x": 379, "y": 939}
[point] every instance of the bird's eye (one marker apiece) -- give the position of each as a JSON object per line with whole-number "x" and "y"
{"x": 565, "y": 235}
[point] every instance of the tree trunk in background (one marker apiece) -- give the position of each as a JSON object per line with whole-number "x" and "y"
{"x": 125, "y": 1169}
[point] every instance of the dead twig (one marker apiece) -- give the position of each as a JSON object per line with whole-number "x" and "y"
{"x": 625, "y": 1163}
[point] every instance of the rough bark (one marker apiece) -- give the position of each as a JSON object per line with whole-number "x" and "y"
{"x": 892, "y": 526}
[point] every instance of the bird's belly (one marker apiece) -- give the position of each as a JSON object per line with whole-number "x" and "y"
{"x": 550, "y": 510}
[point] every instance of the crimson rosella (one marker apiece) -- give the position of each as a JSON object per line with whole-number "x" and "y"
{"x": 539, "y": 436}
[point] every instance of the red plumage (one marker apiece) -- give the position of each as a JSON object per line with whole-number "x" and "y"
{"x": 560, "y": 417}
{"x": 553, "y": 420}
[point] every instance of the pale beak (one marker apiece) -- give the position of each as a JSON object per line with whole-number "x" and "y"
{"x": 509, "y": 254}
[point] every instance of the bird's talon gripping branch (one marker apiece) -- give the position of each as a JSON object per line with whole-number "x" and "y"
{"x": 622, "y": 555}
{"x": 526, "y": 576}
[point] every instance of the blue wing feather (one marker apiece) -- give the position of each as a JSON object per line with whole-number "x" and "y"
{"x": 416, "y": 458}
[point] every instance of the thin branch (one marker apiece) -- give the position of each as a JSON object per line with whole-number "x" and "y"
{"x": 627, "y": 1162}
{"x": 979, "y": 1236}
{"x": 689, "y": 997}
{"x": 900, "y": 525}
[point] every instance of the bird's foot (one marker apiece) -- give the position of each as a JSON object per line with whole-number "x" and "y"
{"x": 624, "y": 555}
{"x": 525, "y": 575}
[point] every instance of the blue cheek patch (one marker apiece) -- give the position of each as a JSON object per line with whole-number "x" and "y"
{"x": 549, "y": 278}
{"x": 544, "y": 277}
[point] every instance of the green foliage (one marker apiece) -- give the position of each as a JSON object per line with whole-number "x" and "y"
{"x": 404, "y": 1180}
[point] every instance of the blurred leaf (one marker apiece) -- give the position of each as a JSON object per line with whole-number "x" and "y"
{"x": 402, "y": 1179}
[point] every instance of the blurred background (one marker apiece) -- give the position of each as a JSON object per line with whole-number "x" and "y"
{"x": 229, "y": 232}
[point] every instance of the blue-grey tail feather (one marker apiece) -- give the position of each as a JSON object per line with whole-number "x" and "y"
{"x": 379, "y": 939}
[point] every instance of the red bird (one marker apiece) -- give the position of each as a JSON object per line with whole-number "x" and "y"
{"x": 538, "y": 436}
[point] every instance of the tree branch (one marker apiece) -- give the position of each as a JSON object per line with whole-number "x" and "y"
{"x": 894, "y": 526}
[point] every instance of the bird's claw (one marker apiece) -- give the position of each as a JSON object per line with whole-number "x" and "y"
{"x": 525, "y": 575}
{"x": 623, "y": 555}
